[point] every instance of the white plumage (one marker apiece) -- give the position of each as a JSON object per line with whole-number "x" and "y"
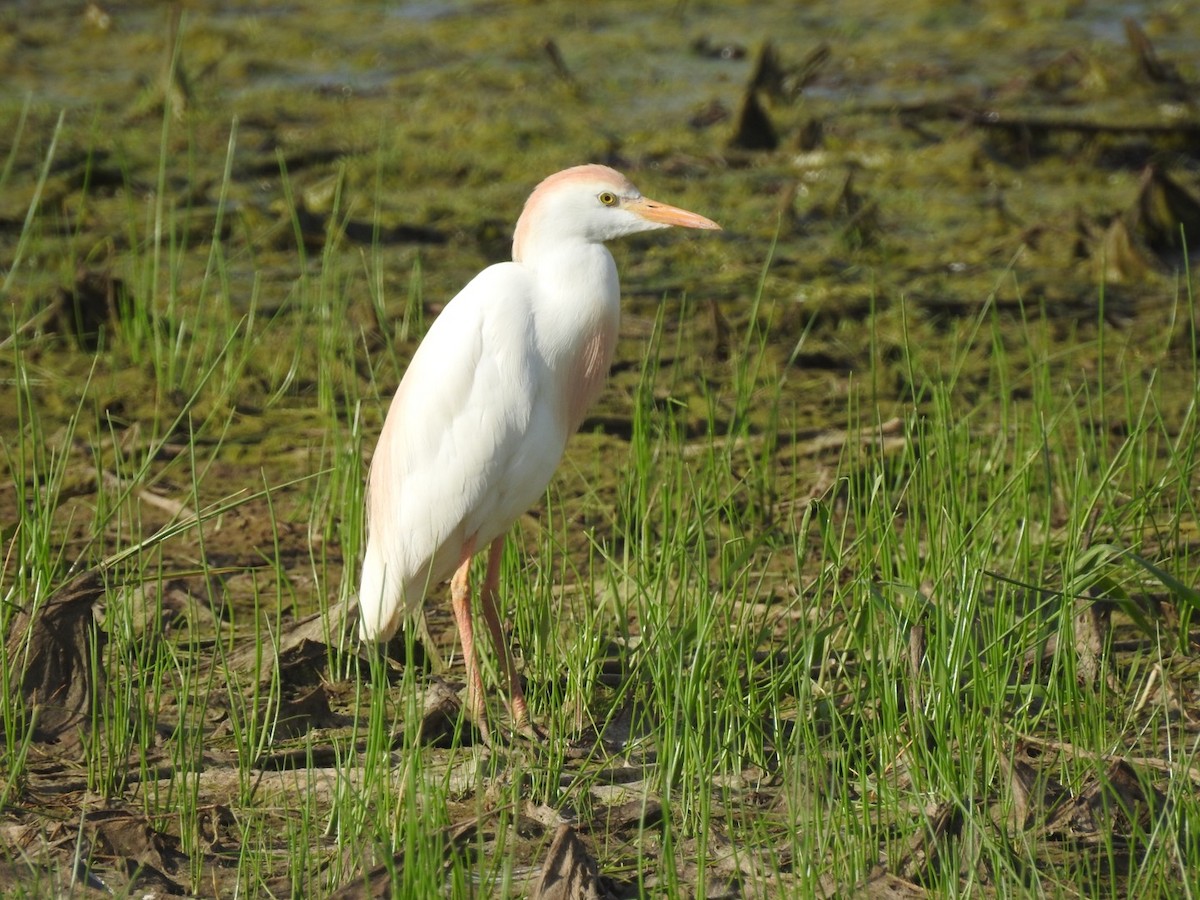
{"x": 480, "y": 420}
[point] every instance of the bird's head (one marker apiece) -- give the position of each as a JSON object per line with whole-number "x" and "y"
{"x": 593, "y": 203}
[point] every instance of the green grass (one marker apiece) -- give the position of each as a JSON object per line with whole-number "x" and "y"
{"x": 805, "y": 642}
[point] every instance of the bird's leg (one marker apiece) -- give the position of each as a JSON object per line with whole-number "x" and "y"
{"x": 491, "y": 589}
{"x": 460, "y": 602}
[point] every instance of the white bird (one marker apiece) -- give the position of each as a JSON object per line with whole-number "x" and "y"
{"x": 482, "y": 416}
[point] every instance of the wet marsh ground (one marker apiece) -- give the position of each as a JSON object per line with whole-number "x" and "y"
{"x": 873, "y": 572}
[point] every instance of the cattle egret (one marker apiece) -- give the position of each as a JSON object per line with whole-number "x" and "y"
{"x": 480, "y": 420}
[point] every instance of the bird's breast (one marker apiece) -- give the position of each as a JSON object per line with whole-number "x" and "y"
{"x": 586, "y": 378}
{"x": 577, "y": 317}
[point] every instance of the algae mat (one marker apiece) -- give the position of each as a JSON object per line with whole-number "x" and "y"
{"x": 224, "y": 227}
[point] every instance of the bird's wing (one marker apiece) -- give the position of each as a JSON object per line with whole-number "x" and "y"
{"x": 453, "y": 459}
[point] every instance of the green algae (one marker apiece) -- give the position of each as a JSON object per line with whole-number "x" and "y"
{"x": 294, "y": 181}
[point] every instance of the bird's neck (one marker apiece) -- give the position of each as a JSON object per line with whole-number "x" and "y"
{"x": 577, "y": 287}
{"x": 576, "y": 316}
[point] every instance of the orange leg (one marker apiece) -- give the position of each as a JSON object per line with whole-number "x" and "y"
{"x": 460, "y": 602}
{"x": 491, "y": 586}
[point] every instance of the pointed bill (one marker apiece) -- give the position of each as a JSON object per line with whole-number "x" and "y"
{"x": 662, "y": 214}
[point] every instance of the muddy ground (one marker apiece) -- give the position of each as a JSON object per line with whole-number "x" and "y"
{"x": 906, "y": 168}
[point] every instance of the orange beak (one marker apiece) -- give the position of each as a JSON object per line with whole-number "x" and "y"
{"x": 661, "y": 213}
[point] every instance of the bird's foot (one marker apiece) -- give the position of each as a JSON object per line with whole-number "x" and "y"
{"x": 525, "y": 732}
{"x": 532, "y": 732}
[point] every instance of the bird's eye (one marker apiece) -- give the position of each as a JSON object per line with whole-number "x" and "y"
{"x": 608, "y": 198}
